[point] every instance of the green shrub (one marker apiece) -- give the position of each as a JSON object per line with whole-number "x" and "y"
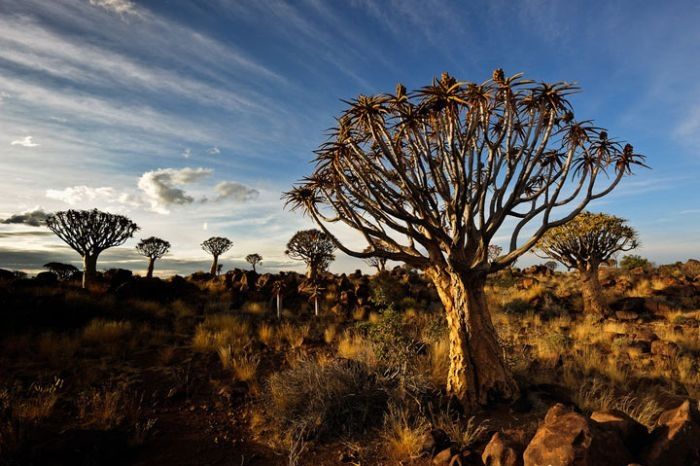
{"x": 633, "y": 261}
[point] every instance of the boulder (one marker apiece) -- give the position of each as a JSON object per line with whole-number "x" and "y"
{"x": 676, "y": 439}
{"x": 503, "y": 450}
{"x": 435, "y": 441}
{"x": 444, "y": 457}
{"x": 567, "y": 438}
{"x": 634, "y": 434}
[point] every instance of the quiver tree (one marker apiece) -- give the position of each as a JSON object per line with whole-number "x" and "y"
{"x": 89, "y": 232}
{"x": 313, "y": 247}
{"x": 153, "y": 248}
{"x": 62, "y": 271}
{"x": 585, "y": 243}
{"x": 254, "y": 259}
{"x": 216, "y": 246}
{"x": 278, "y": 287}
{"x": 378, "y": 263}
{"x": 429, "y": 178}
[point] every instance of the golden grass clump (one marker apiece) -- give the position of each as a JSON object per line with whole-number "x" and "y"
{"x": 404, "y": 438}
{"x": 294, "y": 335}
{"x": 40, "y": 402}
{"x": 106, "y": 331}
{"x": 267, "y": 334}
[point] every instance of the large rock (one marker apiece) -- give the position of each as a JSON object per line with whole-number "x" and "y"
{"x": 634, "y": 435}
{"x": 435, "y": 441}
{"x": 630, "y": 304}
{"x": 676, "y": 439}
{"x": 503, "y": 450}
{"x": 567, "y": 438}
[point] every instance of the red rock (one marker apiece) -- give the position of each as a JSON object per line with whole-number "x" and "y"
{"x": 567, "y": 438}
{"x": 676, "y": 439}
{"x": 503, "y": 450}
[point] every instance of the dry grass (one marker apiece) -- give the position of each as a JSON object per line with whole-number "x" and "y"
{"x": 356, "y": 347}
{"x": 267, "y": 334}
{"x": 245, "y": 367}
{"x": 403, "y": 437}
{"x": 329, "y": 334}
{"x": 106, "y": 331}
{"x": 220, "y": 330}
{"x": 294, "y": 335}
{"x": 40, "y": 402}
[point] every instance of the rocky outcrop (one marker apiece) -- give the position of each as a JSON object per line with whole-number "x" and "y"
{"x": 567, "y": 438}
{"x": 503, "y": 450}
{"x": 675, "y": 441}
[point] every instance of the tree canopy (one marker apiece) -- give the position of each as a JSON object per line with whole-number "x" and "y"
{"x": 587, "y": 239}
{"x": 89, "y": 232}
{"x": 217, "y": 245}
{"x": 313, "y": 247}
{"x": 153, "y": 248}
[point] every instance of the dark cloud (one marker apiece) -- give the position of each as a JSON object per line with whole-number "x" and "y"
{"x": 35, "y": 218}
{"x": 20, "y": 234}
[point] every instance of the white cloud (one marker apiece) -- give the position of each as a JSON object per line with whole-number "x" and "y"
{"x": 162, "y": 186}
{"x": 118, "y": 6}
{"x": 81, "y": 194}
{"x": 205, "y": 226}
{"x": 214, "y": 151}
{"x": 187, "y": 153}
{"x": 25, "y": 142}
{"x": 235, "y": 191}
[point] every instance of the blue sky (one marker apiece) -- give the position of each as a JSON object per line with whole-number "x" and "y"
{"x": 193, "y": 117}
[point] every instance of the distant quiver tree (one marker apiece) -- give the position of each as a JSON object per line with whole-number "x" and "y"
{"x": 153, "y": 248}
{"x": 89, "y": 232}
{"x": 62, "y": 271}
{"x": 216, "y": 246}
{"x": 313, "y": 247}
{"x": 585, "y": 243}
{"x": 254, "y": 260}
{"x": 430, "y": 178}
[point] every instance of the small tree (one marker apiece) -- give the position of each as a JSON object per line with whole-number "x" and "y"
{"x": 89, "y": 232}
{"x": 430, "y": 178}
{"x": 378, "y": 263}
{"x": 254, "y": 259}
{"x": 634, "y": 261}
{"x": 153, "y": 248}
{"x": 551, "y": 265}
{"x": 313, "y": 247}
{"x": 62, "y": 271}
{"x": 216, "y": 246}
{"x": 583, "y": 244}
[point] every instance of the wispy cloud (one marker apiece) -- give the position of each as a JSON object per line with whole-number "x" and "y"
{"x": 214, "y": 150}
{"x": 26, "y": 141}
{"x": 121, "y": 7}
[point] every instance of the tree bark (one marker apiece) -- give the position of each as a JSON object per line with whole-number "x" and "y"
{"x": 477, "y": 374}
{"x": 89, "y": 269}
{"x": 592, "y": 292}
{"x": 214, "y": 266}
{"x": 151, "y": 263}
{"x": 310, "y": 271}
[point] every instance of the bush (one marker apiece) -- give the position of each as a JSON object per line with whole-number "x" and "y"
{"x": 393, "y": 340}
{"x": 385, "y": 290}
{"x": 633, "y": 261}
{"x": 314, "y": 401}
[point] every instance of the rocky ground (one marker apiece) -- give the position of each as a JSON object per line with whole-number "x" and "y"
{"x": 200, "y": 370}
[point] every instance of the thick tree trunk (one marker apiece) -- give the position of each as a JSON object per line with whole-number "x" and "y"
{"x": 477, "y": 373}
{"x": 310, "y": 271}
{"x": 151, "y": 263}
{"x": 592, "y": 292}
{"x": 214, "y": 266}
{"x": 89, "y": 269}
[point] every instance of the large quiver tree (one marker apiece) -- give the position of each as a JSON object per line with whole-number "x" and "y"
{"x": 583, "y": 244}
{"x": 153, "y": 248}
{"x": 89, "y": 232}
{"x": 429, "y": 178}
{"x": 314, "y": 248}
{"x": 216, "y": 246}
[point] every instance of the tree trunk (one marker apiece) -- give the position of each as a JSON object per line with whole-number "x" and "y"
{"x": 151, "y": 263}
{"x": 254, "y": 271}
{"x": 279, "y": 306}
{"x": 214, "y": 266}
{"x": 477, "y": 373}
{"x": 89, "y": 269}
{"x": 310, "y": 271}
{"x": 316, "y": 306}
{"x": 592, "y": 292}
